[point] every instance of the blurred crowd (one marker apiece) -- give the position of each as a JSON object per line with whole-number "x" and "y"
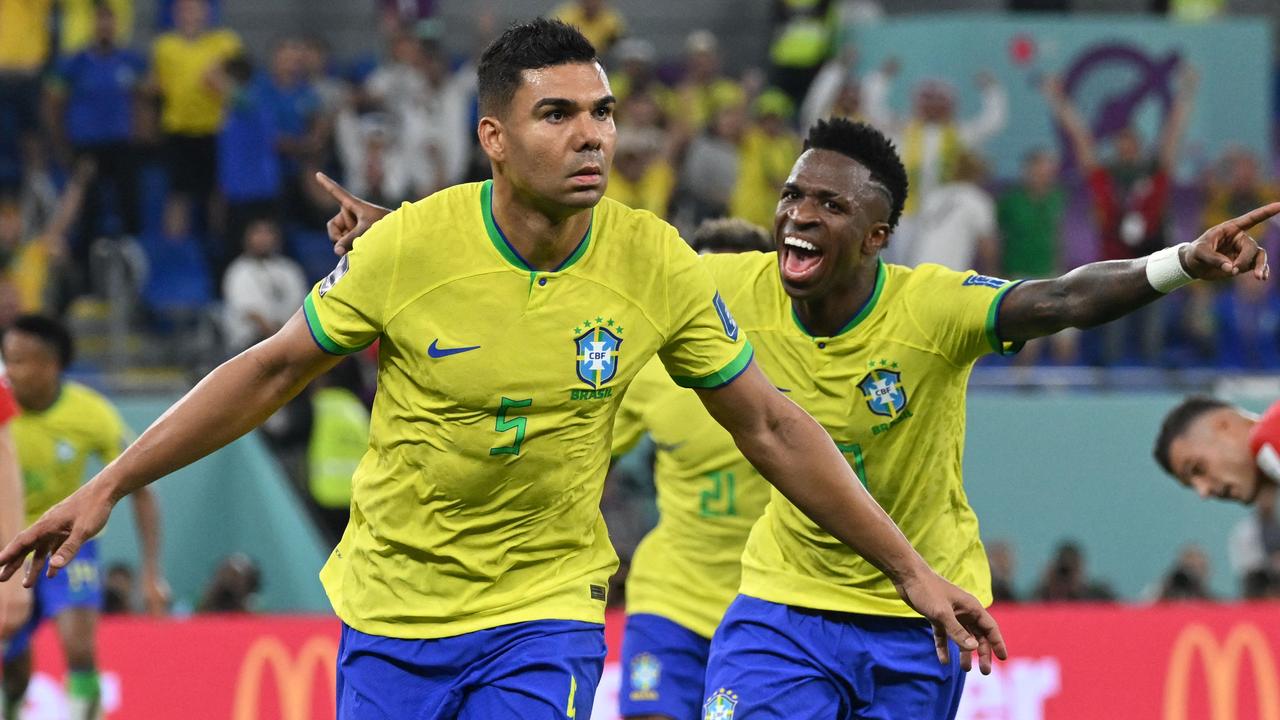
{"x": 191, "y": 159}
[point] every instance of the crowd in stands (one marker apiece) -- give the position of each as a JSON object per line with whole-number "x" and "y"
{"x": 198, "y": 156}
{"x": 194, "y": 155}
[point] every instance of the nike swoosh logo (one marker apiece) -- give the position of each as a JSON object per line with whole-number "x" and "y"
{"x": 782, "y": 389}
{"x": 438, "y": 352}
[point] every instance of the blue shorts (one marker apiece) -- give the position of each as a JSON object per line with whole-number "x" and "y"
{"x": 663, "y": 668}
{"x": 771, "y": 661}
{"x": 78, "y": 585}
{"x": 542, "y": 670}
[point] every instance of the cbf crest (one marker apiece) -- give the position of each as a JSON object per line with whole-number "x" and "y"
{"x": 646, "y": 673}
{"x": 597, "y": 351}
{"x": 882, "y": 388}
{"x": 720, "y": 705}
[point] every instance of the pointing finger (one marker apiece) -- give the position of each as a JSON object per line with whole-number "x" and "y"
{"x": 1253, "y": 217}
{"x": 339, "y": 193}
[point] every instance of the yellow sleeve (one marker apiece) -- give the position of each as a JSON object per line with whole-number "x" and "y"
{"x": 629, "y": 424}
{"x": 704, "y": 347}
{"x": 959, "y": 310}
{"x": 231, "y": 45}
{"x": 346, "y": 311}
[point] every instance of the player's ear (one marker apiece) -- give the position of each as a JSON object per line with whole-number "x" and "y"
{"x": 492, "y": 138}
{"x": 877, "y": 238}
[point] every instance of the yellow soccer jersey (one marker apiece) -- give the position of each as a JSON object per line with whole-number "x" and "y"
{"x": 55, "y": 445}
{"x": 478, "y": 501}
{"x": 688, "y": 567}
{"x": 890, "y": 390}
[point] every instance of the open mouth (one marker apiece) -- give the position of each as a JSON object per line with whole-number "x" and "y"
{"x": 799, "y": 258}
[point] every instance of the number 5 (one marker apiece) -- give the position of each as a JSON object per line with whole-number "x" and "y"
{"x": 516, "y": 423}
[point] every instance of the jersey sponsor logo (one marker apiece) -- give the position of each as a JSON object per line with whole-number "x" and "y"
{"x": 726, "y": 318}
{"x": 720, "y": 705}
{"x": 436, "y": 352}
{"x": 985, "y": 281}
{"x": 883, "y": 391}
{"x": 646, "y": 673}
{"x": 332, "y": 278}
{"x": 597, "y": 352}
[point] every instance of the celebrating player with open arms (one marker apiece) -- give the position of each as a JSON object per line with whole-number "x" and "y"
{"x": 880, "y": 355}
{"x": 511, "y": 316}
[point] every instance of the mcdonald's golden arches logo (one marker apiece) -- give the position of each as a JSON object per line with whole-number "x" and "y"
{"x": 1221, "y": 664}
{"x": 294, "y": 676}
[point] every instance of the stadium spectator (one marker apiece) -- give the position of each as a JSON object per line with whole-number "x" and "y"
{"x": 803, "y": 36}
{"x": 643, "y": 177}
{"x": 601, "y": 24}
{"x": 93, "y": 94}
{"x": 834, "y": 92}
{"x": 233, "y": 588}
{"x": 1000, "y": 558}
{"x": 1130, "y": 197}
{"x": 367, "y": 145}
{"x": 261, "y": 289}
{"x": 33, "y": 261}
{"x": 1066, "y": 578}
{"x": 1189, "y": 577}
{"x": 179, "y": 284}
{"x": 1245, "y": 325}
{"x": 339, "y": 439}
{"x": 932, "y": 139}
{"x": 1029, "y": 216}
{"x": 956, "y": 223}
{"x": 704, "y": 90}
{"x": 24, "y": 49}
{"x": 711, "y": 165}
{"x": 187, "y": 71}
{"x": 250, "y": 171}
{"x": 766, "y": 151}
{"x": 636, "y": 71}
{"x": 294, "y": 103}
{"x": 78, "y": 24}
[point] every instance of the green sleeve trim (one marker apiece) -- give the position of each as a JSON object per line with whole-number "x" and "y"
{"x": 999, "y": 346}
{"x": 318, "y": 334}
{"x": 725, "y": 375}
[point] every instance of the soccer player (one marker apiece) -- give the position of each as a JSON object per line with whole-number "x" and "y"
{"x": 61, "y": 426}
{"x": 880, "y": 355}
{"x": 685, "y": 572}
{"x": 1220, "y": 450}
{"x": 511, "y": 314}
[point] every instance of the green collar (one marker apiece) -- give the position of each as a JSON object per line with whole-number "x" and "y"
{"x": 858, "y": 317}
{"x": 504, "y": 246}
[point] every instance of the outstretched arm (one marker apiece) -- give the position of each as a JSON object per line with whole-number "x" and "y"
{"x": 1100, "y": 292}
{"x": 797, "y": 456}
{"x": 1078, "y": 132}
{"x": 232, "y": 400}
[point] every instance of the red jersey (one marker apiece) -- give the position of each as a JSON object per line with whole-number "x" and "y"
{"x": 1264, "y": 442}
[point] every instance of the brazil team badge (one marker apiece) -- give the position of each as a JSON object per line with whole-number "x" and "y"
{"x": 646, "y": 673}
{"x": 597, "y": 351}
{"x": 720, "y": 705}
{"x": 882, "y": 388}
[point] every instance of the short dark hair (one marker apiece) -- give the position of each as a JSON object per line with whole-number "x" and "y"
{"x": 1177, "y": 422}
{"x": 51, "y": 332}
{"x": 524, "y": 46}
{"x": 872, "y": 149}
{"x": 729, "y": 235}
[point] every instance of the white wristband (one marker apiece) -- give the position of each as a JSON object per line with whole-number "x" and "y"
{"x": 1165, "y": 271}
